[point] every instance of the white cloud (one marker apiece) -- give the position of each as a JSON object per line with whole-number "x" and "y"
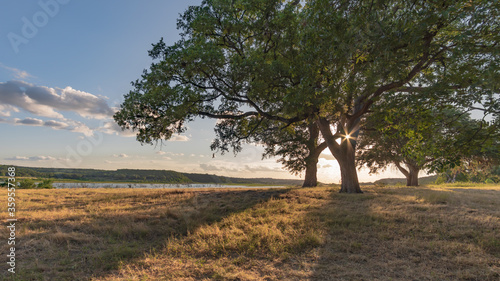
{"x": 32, "y": 158}
{"x": 122, "y": 155}
{"x": 17, "y": 73}
{"x": 112, "y": 128}
{"x": 29, "y": 121}
{"x": 47, "y": 102}
{"x": 79, "y": 127}
{"x": 117, "y": 162}
{"x": 17, "y": 158}
{"x": 261, "y": 168}
{"x": 72, "y": 126}
{"x": 6, "y": 109}
{"x": 179, "y": 138}
{"x": 50, "y": 103}
{"x": 161, "y": 152}
{"x": 55, "y": 124}
{"x": 326, "y": 156}
{"x": 218, "y": 168}
{"x": 228, "y": 167}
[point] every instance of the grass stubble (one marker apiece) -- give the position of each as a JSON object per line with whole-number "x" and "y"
{"x": 387, "y": 233}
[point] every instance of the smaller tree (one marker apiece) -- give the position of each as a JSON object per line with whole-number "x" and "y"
{"x": 297, "y": 145}
{"x": 415, "y": 138}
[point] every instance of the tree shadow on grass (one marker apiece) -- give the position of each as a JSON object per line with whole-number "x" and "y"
{"x": 410, "y": 234}
{"x": 114, "y": 229}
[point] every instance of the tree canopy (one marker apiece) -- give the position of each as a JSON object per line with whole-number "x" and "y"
{"x": 328, "y": 63}
{"x": 415, "y": 138}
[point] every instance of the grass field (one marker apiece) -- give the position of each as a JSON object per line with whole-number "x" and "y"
{"x": 387, "y": 233}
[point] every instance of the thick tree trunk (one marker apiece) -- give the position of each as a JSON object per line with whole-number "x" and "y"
{"x": 315, "y": 150}
{"x": 411, "y": 173}
{"x": 311, "y": 179}
{"x": 348, "y": 174}
{"x": 412, "y": 179}
{"x": 344, "y": 153}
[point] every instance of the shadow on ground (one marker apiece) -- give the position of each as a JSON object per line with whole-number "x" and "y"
{"x": 410, "y": 234}
{"x": 106, "y": 235}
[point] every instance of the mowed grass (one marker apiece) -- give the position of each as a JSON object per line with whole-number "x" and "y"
{"x": 387, "y": 233}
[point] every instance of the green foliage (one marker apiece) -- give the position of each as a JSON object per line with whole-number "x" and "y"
{"x": 45, "y": 184}
{"x": 473, "y": 171}
{"x": 329, "y": 62}
{"x": 297, "y": 145}
{"x": 27, "y": 184}
{"x": 32, "y": 184}
{"x": 408, "y": 131}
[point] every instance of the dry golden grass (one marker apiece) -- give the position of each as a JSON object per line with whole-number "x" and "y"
{"x": 398, "y": 233}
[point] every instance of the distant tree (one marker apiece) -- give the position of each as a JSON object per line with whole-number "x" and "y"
{"x": 415, "y": 138}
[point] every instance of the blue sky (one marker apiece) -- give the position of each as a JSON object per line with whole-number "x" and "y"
{"x": 64, "y": 68}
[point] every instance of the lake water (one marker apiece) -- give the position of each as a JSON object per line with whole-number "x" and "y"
{"x": 60, "y": 185}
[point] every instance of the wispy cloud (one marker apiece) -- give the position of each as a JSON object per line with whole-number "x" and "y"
{"x": 122, "y": 155}
{"x": 112, "y": 128}
{"x": 70, "y": 125}
{"x": 218, "y": 168}
{"x": 326, "y": 156}
{"x": 5, "y": 110}
{"x": 31, "y": 158}
{"x": 30, "y": 121}
{"x": 224, "y": 167}
{"x": 17, "y": 73}
{"x": 179, "y": 138}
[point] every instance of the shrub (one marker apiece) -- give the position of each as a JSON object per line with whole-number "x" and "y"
{"x": 27, "y": 184}
{"x": 45, "y": 184}
{"x": 30, "y": 184}
{"x": 490, "y": 180}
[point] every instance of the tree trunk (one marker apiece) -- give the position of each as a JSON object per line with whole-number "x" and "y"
{"x": 348, "y": 174}
{"x": 412, "y": 179}
{"x": 315, "y": 150}
{"x": 311, "y": 179}
{"x": 344, "y": 153}
{"x": 411, "y": 173}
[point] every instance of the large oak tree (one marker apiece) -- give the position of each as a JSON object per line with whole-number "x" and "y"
{"x": 327, "y": 62}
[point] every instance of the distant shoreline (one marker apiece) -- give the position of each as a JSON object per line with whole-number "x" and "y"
{"x": 64, "y": 185}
